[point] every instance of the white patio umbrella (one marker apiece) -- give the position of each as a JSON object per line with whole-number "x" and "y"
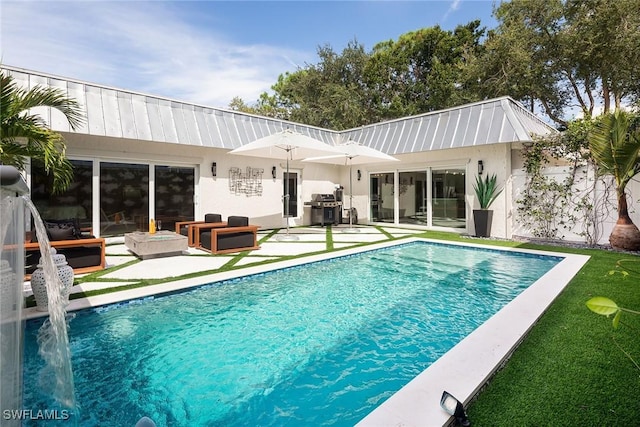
{"x": 353, "y": 153}
{"x": 291, "y": 146}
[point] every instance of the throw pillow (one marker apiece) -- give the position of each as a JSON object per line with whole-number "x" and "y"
{"x": 66, "y": 229}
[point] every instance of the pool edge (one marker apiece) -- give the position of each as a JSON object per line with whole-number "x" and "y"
{"x": 466, "y": 368}
{"x": 462, "y": 371}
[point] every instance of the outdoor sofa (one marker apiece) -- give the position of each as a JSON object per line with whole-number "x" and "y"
{"x": 237, "y": 236}
{"x": 192, "y": 229}
{"x": 84, "y": 252}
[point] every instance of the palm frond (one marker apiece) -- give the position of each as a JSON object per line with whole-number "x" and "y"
{"x": 15, "y": 103}
{"x": 615, "y": 147}
{"x": 25, "y": 135}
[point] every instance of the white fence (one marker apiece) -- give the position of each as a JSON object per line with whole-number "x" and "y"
{"x": 571, "y": 222}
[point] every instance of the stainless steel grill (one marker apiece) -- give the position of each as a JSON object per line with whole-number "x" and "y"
{"x": 325, "y": 209}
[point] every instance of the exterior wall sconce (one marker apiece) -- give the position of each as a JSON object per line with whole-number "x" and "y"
{"x": 273, "y": 172}
{"x": 480, "y": 167}
{"x": 359, "y": 175}
{"x": 214, "y": 169}
{"x": 452, "y": 406}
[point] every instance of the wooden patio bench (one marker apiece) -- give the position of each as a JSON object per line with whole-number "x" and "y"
{"x": 84, "y": 255}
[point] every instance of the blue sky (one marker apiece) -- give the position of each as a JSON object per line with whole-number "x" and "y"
{"x": 205, "y": 52}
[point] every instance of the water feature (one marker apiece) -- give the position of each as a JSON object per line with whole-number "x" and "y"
{"x": 56, "y": 377}
{"x": 11, "y": 299}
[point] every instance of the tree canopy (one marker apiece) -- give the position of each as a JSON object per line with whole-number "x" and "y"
{"x": 559, "y": 57}
{"x": 420, "y": 72}
{"x": 563, "y": 54}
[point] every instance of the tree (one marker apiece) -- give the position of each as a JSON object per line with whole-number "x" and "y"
{"x": 238, "y": 104}
{"x": 24, "y": 134}
{"x": 615, "y": 145}
{"x": 605, "y": 37}
{"x": 560, "y": 54}
{"x": 330, "y": 94}
{"x": 424, "y": 70}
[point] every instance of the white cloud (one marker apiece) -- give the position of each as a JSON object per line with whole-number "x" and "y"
{"x": 144, "y": 47}
{"x": 455, "y": 5}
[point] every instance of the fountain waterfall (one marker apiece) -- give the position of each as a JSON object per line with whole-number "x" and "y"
{"x": 11, "y": 298}
{"x": 57, "y": 376}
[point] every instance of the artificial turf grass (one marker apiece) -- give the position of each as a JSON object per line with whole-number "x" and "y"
{"x": 568, "y": 371}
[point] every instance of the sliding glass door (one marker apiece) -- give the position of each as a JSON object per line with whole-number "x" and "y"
{"x": 126, "y": 192}
{"x": 412, "y": 197}
{"x": 174, "y": 189}
{"x": 124, "y": 198}
{"x": 448, "y": 201}
{"x": 430, "y": 197}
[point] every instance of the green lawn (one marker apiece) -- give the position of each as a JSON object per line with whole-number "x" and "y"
{"x": 571, "y": 370}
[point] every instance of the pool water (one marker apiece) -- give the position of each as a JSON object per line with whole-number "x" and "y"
{"x": 319, "y": 344}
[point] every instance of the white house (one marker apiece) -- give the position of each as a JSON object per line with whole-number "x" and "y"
{"x": 141, "y": 156}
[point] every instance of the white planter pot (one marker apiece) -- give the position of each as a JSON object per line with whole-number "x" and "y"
{"x": 39, "y": 285}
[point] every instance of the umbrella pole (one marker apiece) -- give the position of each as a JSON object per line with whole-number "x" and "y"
{"x": 287, "y": 196}
{"x": 351, "y": 228}
{"x": 350, "y": 194}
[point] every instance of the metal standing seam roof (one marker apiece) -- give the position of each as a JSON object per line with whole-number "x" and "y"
{"x": 494, "y": 121}
{"x": 118, "y": 113}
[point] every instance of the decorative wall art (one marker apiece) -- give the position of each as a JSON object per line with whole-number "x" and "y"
{"x": 248, "y": 183}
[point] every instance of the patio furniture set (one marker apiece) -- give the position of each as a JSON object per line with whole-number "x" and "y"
{"x": 211, "y": 235}
{"x": 86, "y": 253}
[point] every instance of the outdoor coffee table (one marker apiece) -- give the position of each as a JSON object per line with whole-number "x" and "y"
{"x": 162, "y": 243}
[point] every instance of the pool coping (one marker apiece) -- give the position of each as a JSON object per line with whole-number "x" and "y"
{"x": 466, "y": 368}
{"x": 462, "y": 371}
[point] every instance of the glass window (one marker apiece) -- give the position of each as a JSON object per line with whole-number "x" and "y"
{"x": 174, "y": 189}
{"x": 448, "y": 202}
{"x": 413, "y": 197}
{"x": 382, "y": 197}
{"x": 73, "y": 203}
{"x": 290, "y": 186}
{"x": 124, "y": 198}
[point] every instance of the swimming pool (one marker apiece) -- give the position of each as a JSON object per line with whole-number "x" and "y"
{"x": 323, "y": 343}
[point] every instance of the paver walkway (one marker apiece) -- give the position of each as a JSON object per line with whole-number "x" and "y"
{"x": 123, "y": 268}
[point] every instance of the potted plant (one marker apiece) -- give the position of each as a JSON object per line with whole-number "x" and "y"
{"x": 486, "y": 191}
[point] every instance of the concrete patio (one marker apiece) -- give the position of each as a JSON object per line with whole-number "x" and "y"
{"x": 124, "y": 268}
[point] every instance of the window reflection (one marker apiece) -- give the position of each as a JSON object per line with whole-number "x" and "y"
{"x": 174, "y": 189}
{"x": 74, "y": 203}
{"x": 448, "y": 201}
{"x": 124, "y": 198}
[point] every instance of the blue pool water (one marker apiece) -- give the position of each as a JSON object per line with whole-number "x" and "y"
{"x": 320, "y": 344}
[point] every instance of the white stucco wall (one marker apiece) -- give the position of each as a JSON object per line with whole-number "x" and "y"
{"x": 213, "y": 194}
{"x": 606, "y": 208}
